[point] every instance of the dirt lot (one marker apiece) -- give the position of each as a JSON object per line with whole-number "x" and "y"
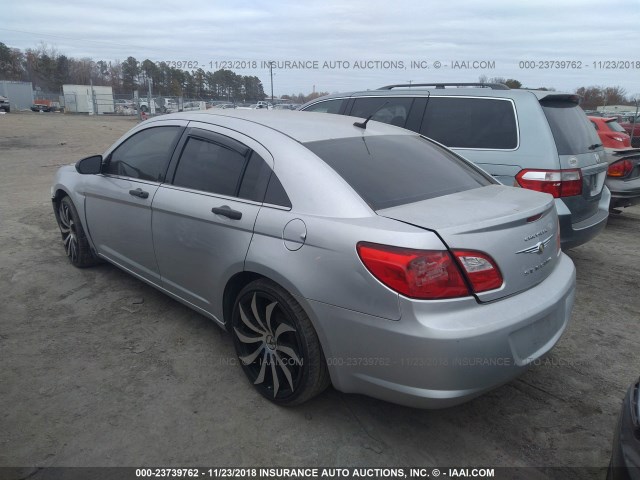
{"x": 99, "y": 369}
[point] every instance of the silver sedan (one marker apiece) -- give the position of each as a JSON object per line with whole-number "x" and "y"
{"x": 334, "y": 250}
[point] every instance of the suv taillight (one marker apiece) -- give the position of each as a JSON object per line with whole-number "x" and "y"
{"x": 621, "y": 168}
{"x": 559, "y": 183}
{"x": 429, "y": 274}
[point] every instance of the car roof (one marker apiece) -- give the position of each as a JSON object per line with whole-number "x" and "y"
{"x": 462, "y": 92}
{"x": 300, "y": 126}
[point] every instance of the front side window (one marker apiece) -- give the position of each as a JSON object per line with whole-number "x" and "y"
{"x": 328, "y": 106}
{"x": 210, "y": 167}
{"x": 145, "y": 155}
{"x": 471, "y": 123}
{"x": 386, "y": 110}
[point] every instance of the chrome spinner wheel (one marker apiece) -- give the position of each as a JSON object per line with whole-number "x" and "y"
{"x": 76, "y": 244}
{"x": 277, "y": 346}
{"x": 68, "y": 230}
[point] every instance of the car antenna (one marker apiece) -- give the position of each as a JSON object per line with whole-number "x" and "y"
{"x": 363, "y": 125}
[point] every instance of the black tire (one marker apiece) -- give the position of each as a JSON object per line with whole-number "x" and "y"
{"x": 75, "y": 241}
{"x": 274, "y": 339}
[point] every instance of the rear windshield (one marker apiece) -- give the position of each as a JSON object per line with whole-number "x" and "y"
{"x": 460, "y": 122}
{"x": 572, "y": 131}
{"x": 615, "y": 126}
{"x": 391, "y": 170}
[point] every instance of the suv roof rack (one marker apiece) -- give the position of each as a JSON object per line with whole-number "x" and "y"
{"x": 493, "y": 86}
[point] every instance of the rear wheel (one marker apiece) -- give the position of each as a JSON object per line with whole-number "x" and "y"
{"x": 277, "y": 346}
{"x": 76, "y": 244}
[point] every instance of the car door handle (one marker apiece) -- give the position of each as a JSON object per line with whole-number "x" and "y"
{"x": 138, "y": 192}
{"x": 226, "y": 211}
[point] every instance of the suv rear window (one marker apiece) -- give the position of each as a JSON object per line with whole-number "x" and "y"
{"x": 385, "y": 109}
{"x": 615, "y": 126}
{"x": 570, "y": 126}
{"x": 460, "y": 122}
{"x": 391, "y": 170}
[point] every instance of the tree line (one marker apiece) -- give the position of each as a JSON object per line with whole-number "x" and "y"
{"x": 48, "y": 70}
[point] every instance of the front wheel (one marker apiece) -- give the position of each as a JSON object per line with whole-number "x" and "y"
{"x": 76, "y": 244}
{"x": 277, "y": 345}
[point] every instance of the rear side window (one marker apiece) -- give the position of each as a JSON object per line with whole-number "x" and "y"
{"x": 255, "y": 179}
{"x": 391, "y": 170}
{"x": 471, "y": 123}
{"x": 392, "y": 110}
{"x": 570, "y": 126}
{"x": 615, "y": 126}
{"x": 209, "y": 167}
{"x": 144, "y": 155}
{"x": 276, "y": 194}
{"x": 328, "y": 106}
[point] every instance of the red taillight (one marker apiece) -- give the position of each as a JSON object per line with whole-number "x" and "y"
{"x": 481, "y": 270}
{"x": 621, "y": 168}
{"x": 423, "y": 274}
{"x": 559, "y": 183}
{"x": 618, "y": 137}
{"x": 429, "y": 274}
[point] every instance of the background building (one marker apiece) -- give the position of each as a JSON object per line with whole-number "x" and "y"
{"x": 20, "y": 94}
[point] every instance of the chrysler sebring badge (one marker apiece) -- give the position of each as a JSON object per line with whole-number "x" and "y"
{"x": 538, "y": 247}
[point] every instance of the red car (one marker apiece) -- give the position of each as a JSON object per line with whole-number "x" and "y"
{"x": 611, "y": 134}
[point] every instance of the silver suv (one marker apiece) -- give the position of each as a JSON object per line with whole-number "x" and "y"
{"x": 540, "y": 140}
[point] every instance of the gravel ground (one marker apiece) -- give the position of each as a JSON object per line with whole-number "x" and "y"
{"x": 99, "y": 369}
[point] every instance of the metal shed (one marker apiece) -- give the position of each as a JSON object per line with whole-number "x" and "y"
{"x": 20, "y": 94}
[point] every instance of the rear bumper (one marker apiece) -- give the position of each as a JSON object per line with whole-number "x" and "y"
{"x": 575, "y": 234}
{"x": 624, "y": 193}
{"x": 442, "y": 353}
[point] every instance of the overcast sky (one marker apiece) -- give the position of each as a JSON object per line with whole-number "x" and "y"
{"x": 396, "y": 31}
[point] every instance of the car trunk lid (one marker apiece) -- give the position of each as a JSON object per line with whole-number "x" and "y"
{"x": 518, "y": 228}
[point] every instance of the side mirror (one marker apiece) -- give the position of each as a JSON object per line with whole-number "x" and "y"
{"x": 90, "y": 165}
